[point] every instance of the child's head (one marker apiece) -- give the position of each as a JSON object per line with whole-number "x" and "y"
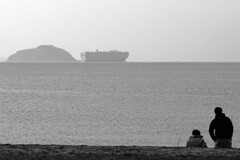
{"x": 196, "y": 132}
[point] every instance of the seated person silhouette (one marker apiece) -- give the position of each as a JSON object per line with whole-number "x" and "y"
{"x": 196, "y": 140}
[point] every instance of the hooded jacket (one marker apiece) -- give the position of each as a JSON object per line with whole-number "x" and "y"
{"x": 221, "y": 128}
{"x": 196, "y": 141}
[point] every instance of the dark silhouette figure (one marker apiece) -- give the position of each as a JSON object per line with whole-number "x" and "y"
{"x": 196, "y": 140}
{"x": 221, "y": 130}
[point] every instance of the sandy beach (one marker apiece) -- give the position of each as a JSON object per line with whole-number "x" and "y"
{"x": 70, "y": 152}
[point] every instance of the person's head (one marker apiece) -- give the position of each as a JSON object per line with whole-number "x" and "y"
{"x": 196, "y": 132}
{"x": 218, "y": 110}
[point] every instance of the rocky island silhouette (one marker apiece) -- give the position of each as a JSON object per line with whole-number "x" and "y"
{"x": 43, "y": 53}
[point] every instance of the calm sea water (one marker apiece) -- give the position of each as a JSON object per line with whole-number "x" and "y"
{"x": 115, "y": 103}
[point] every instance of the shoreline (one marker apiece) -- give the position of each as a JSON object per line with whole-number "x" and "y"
{"x": 72, "y": 152}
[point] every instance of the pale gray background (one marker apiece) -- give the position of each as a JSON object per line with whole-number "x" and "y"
{"x": 151, "y": 30}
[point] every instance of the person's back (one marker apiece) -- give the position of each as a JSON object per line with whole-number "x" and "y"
{"x": 221, "y": 129}
{"x": 222, "y": 126}
{"x": 196, "y": 140}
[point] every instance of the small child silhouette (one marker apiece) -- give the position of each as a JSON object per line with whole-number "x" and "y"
{"x": 196, "y": 140}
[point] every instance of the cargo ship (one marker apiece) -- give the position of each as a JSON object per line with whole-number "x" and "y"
{"x": 104, "y": 56}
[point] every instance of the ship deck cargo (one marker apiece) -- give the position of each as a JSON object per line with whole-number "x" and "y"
{"x": 104, "y": 56}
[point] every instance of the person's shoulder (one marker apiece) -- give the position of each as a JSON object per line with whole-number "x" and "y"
{"x": 213, "y": 121}
{"x": 227, "y": 118}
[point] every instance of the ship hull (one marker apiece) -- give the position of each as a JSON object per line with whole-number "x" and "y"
{"x": 104, "y": 56}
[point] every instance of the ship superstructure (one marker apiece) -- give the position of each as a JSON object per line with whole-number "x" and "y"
{"x": 104, "y": 56}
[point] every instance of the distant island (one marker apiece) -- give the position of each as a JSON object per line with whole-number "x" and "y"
{"x": 43, "y": 53}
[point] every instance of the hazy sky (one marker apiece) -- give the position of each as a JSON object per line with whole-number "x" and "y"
{"x": 151, "y": 30}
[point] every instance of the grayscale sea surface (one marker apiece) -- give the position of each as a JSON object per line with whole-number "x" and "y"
{"x": 115, "y": 103}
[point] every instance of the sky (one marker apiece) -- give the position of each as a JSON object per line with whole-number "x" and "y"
{"x": 150, "y": 30}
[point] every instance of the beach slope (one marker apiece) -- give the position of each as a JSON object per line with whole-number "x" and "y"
{"x": 69, "y": 152}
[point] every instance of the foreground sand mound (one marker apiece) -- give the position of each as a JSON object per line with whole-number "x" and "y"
{"x": 67, "y": 152}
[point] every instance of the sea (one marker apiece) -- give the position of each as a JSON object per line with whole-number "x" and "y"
{"x": 146, "y": 104}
